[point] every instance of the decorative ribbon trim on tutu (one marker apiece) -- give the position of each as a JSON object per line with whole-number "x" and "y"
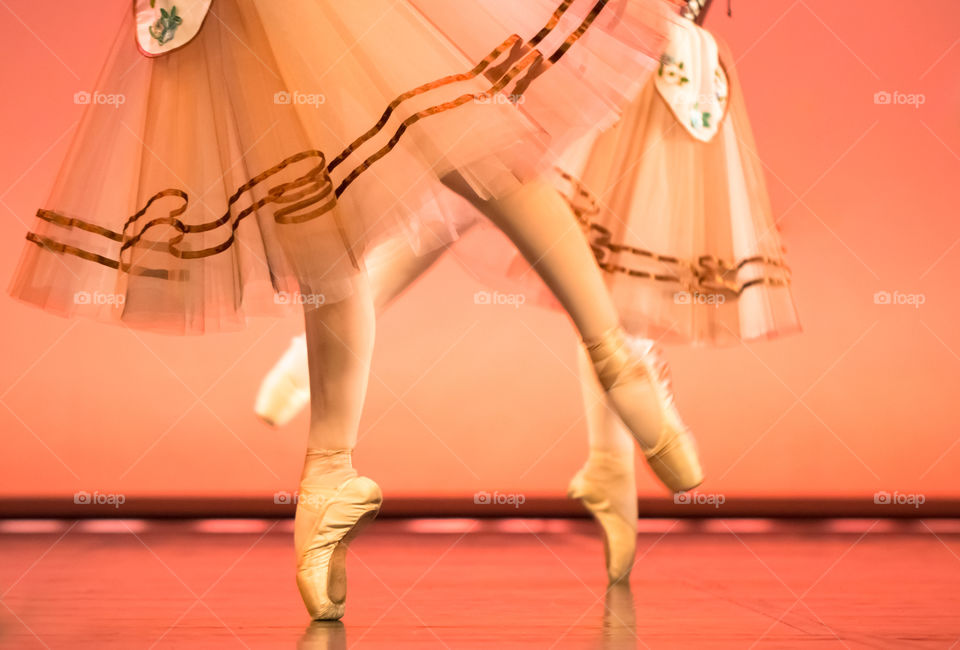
{"x": 706, "y": 274}
{"x": 416, "y": 117}
{"x": 580, "y": 31}
{"x": 520, "y": 49}
{"x": 310, "y": 189}
{"x": 316, "y": 186}
{"x": 523, "y": 57}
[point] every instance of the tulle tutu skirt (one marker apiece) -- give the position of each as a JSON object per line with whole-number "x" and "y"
{"x": 252, "y": 168}
{"x": 682, "y": 229}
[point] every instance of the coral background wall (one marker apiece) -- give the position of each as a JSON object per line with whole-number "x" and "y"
{"x": 468, "y": 397}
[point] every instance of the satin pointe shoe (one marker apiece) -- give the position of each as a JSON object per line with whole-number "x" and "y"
{"x": 673, "y": 458}
{"x": 285, "y": 390}
{"x": 326, "y": 522}
{"x": 607, "y": 488}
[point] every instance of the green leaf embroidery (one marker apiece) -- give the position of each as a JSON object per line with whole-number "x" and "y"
{"x": 165, "y": 28}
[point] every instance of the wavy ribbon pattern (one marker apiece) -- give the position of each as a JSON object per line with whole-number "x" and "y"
{"x": 705, "y": 274}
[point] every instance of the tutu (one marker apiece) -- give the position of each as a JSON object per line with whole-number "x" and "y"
{"x": 674, "y": 204}
{"x": 240, "y": 156}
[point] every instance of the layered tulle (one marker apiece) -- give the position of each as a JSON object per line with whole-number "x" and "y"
{"x": 682, "y": 229}
{"x": 253, "y": 167}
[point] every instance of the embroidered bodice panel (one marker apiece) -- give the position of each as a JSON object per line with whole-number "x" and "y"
{"x": 692, "y": 81}
{"x": 166, "y": 25}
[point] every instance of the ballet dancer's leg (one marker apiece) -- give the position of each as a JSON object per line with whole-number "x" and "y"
{"x": 605, "y": 431}
{"x": 393, "y": 267}
{"x": 606, "y": 484}
{"x": 285, "y": 390}
{"x": 340, "y": 339}
{"x": 333, "y": 501}
{"x": 542, "y": 226}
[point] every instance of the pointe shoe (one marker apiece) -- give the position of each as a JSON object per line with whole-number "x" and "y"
{"x": 673, "y": 458}
{"x": 324, "y": 526}
{"x": 608, "y": 490}
{"x": 285, "y": 390}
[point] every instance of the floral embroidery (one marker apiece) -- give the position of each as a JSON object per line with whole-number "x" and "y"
{"x": 672, "y": 70}
{"x": 166, "y": 26}
{"x": 699, "y": 119}
{"x": 702, "y": 119}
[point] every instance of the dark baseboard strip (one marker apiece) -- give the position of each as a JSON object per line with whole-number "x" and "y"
{"x": 268, "y": 507}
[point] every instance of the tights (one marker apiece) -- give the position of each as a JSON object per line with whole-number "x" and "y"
{"x": 541, "y": 225}
{"x": 339, "y": 349}
{"x": 605, "y": 430}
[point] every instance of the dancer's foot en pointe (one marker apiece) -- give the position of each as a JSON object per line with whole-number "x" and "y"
{"x": 607, "y": 485}
{"x": 334, "y": 504}
{"x": 608, "y": 490}
{"x": 392, "y": 269}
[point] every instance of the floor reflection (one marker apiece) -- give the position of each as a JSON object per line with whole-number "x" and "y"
{"x": 619, "y": 619}
{"x": 324, "y": 635}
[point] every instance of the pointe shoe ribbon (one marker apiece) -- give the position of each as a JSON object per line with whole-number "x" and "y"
{"x": 613, "y": 361}
{"x": 674, "y": 458}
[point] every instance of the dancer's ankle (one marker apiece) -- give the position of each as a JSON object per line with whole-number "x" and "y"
{"x": 327, "y": 468}
{"x": 610, "y": 461}
{"x": 625, "y": 375}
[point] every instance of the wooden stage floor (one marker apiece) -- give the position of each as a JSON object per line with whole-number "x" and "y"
{"x": 497, "y": 583}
